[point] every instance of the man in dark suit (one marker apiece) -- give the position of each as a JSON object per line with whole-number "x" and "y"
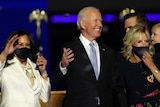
{"x": 76, "y": 68}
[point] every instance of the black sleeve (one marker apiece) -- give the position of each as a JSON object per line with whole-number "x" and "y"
{"x": 119, "y": 96}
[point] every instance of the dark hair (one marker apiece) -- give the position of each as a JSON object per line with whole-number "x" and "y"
{"x": 141, "y": 18}
{"x": 33, "y": 48}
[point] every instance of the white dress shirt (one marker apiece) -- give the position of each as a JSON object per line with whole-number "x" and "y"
{"x": 86, "y": 45}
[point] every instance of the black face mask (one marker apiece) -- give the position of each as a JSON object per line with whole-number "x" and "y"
{"x": 139, "y": 51}
{"x": 22, "y": 53}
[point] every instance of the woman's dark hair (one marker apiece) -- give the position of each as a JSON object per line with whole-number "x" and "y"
{"x": 33, "y": 48}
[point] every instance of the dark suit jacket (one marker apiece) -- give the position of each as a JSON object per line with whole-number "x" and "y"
{"x": 82, "y": 86}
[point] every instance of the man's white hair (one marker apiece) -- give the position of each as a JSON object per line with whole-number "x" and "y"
{"x": 82, "y": 14}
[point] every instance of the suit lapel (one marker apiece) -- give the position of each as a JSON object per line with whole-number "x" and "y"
{"x": 103, "y": 58}
{"x": 83, "y": 54}
{"x": 81, "y": 50}
{"x": 36, "y": 82}
{"x": 19, "y": 70}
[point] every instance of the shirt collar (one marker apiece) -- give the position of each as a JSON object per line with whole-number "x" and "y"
{"x": 85, "y": 41}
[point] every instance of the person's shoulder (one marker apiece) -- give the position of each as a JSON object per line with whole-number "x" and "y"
{"x": 72, "y": 42}
{"x": 105, "y": 46}
{"x": 120, "y": 57}
{"x": 156, "y": 56}
{"x": 32, "y": 63}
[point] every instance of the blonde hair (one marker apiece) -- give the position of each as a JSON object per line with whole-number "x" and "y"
{"x": 156, "y": 26}
{"x": 131, "y": 37}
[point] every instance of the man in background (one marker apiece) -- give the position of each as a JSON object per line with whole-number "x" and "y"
{"x": 132, "y": 19}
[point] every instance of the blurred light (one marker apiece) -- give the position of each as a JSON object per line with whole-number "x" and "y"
{"x": 64, "y": 18}
{"x": 73, "y": 18}
{"x": 153, "y": 17}
{"x": 107, "y": 18}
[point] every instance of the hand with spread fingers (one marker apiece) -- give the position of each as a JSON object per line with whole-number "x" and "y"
{"x": 9, "y": 47}
{"x": 67, "y": 57}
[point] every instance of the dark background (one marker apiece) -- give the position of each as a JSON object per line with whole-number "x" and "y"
{"x": 14, "y": 14}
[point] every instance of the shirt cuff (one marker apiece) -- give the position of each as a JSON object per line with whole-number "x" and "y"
{"x": 63, "y": 70}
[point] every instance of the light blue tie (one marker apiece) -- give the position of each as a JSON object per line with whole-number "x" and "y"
{"x": 93, "y": 59}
